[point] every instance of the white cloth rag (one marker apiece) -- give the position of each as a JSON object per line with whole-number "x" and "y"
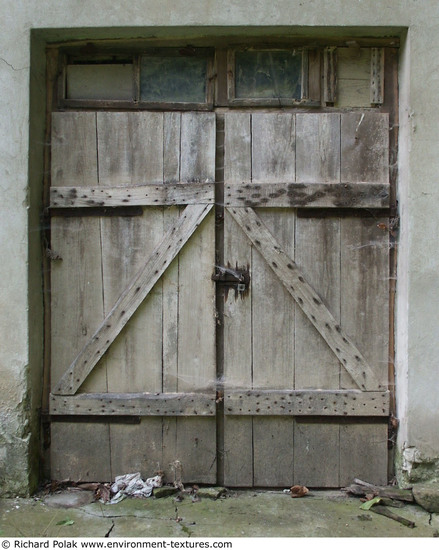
{"x": 133, "y": 485}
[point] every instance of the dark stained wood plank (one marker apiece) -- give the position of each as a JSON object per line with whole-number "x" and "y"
{"x": 131, "y": 298}
{"x": 273, "y": 449}
{"x": 365, "y": 147}
{"x": 308, "y": 195}
{"x": 134, "y": 404}
{"x": 363, "y": 453}
{"x": 305, "y": 403}
{"x": 316, "y": 454}
{"x": 137, "y": 195}
{"x": 309, "y": 301}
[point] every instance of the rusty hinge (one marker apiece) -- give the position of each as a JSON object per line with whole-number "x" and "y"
{"x": 238, "y": 277}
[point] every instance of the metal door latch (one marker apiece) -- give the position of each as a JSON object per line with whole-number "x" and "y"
{"x": 239, "y": 278}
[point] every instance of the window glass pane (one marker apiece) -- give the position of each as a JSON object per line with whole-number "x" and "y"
{"x": 97, "y": 81}
{"x": 268, "y": 74}
{"x": 173, "y": 79}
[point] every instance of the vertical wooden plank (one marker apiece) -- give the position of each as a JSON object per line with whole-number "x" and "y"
{"x": 128, "y": 144}
{"x": 365, "y": 297}
{"x": 273, "y": 160}
{"x": 76, "y": 294}
{"x": 196, "y": 449}
{"x": 273, "y": 309}
{"x": 317, "y": 248}
{"x": 318, "y": 256}
{"x": 74, "y": 159}
{"x": 316, "y": 457}
{"x": 170, "y": 285}
{"x": 130, "y": 147}
{"x": 80, "y": 451}
{"x": 329, "y": 75}
{"x": 198, "y": 147}
{"x": 273, "y": 147}
{"x": 317, "y": 148}
{"x": 353, "y": 80}
{"x": 196, "y": 438}
{"x": 196, "y": 339}
{"x": 377, "y": 76}
{"x": 363, "y": 453}
{"x": 136, "y": 447}
{"x": 273, "y": 442}
{"x": 136, "y": 139}
{"x": 238, "y": 451}
{"x": 365, "y": 147}
{"x": 238, "y": 458}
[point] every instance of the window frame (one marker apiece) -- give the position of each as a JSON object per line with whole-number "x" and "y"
{"x": 307, "y": 72}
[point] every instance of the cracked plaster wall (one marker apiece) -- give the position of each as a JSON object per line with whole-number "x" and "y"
{"x": 22, "y": 121}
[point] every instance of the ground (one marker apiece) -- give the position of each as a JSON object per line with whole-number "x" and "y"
{"x": 239, "y": 514}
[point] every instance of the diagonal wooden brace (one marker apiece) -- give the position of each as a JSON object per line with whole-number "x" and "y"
{"x": 307, "y": 298}
{"x": 131, "y": 298}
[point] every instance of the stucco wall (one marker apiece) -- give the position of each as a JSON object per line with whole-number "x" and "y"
{"x": 21, "y": 149}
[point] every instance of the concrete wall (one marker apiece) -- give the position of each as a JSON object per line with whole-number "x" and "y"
{"x": 28, "y": 25}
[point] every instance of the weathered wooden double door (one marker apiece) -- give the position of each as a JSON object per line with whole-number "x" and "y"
{"x": 158, "y": 366}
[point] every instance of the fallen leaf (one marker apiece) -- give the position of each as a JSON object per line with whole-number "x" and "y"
{"x": 66, "y": 522}
{"x": 368, "y": 505}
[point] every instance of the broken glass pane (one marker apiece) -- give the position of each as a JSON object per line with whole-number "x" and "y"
{"x": 268, "y": 74}
{"x": 173, "y": 79}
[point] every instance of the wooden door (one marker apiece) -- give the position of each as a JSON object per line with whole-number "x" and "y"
{"x": 306, "y": 347}
{"x": 132, "y": 300}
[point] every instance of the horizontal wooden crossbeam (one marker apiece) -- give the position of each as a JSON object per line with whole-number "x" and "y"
{"x": 134, "y": 404}
{"x": 131, "y": 297}
{"x": 306, "y": 297}
{"x": 133, "y": 195}
{"x": 308, "y": 195}
{"x": 306, "y": 403}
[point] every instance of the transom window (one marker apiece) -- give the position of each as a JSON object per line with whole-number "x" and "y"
{"x": 201, "y": 78}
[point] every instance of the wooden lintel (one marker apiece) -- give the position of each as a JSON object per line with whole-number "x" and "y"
{"x": 131, "y": 297}
{"x": 134, "y": 195}
{"x": 308, "y": 195}
{"x": 307, "y": 298}
{"x": 134, "y": 404}
{"x": 306, "y": 403}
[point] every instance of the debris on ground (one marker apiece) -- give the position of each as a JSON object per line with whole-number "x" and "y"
{"x": 298, "y": 491}
{"x": 368, "y": 490}
{"x": 377, "y": 499}
{"x": 132, "y": 485}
